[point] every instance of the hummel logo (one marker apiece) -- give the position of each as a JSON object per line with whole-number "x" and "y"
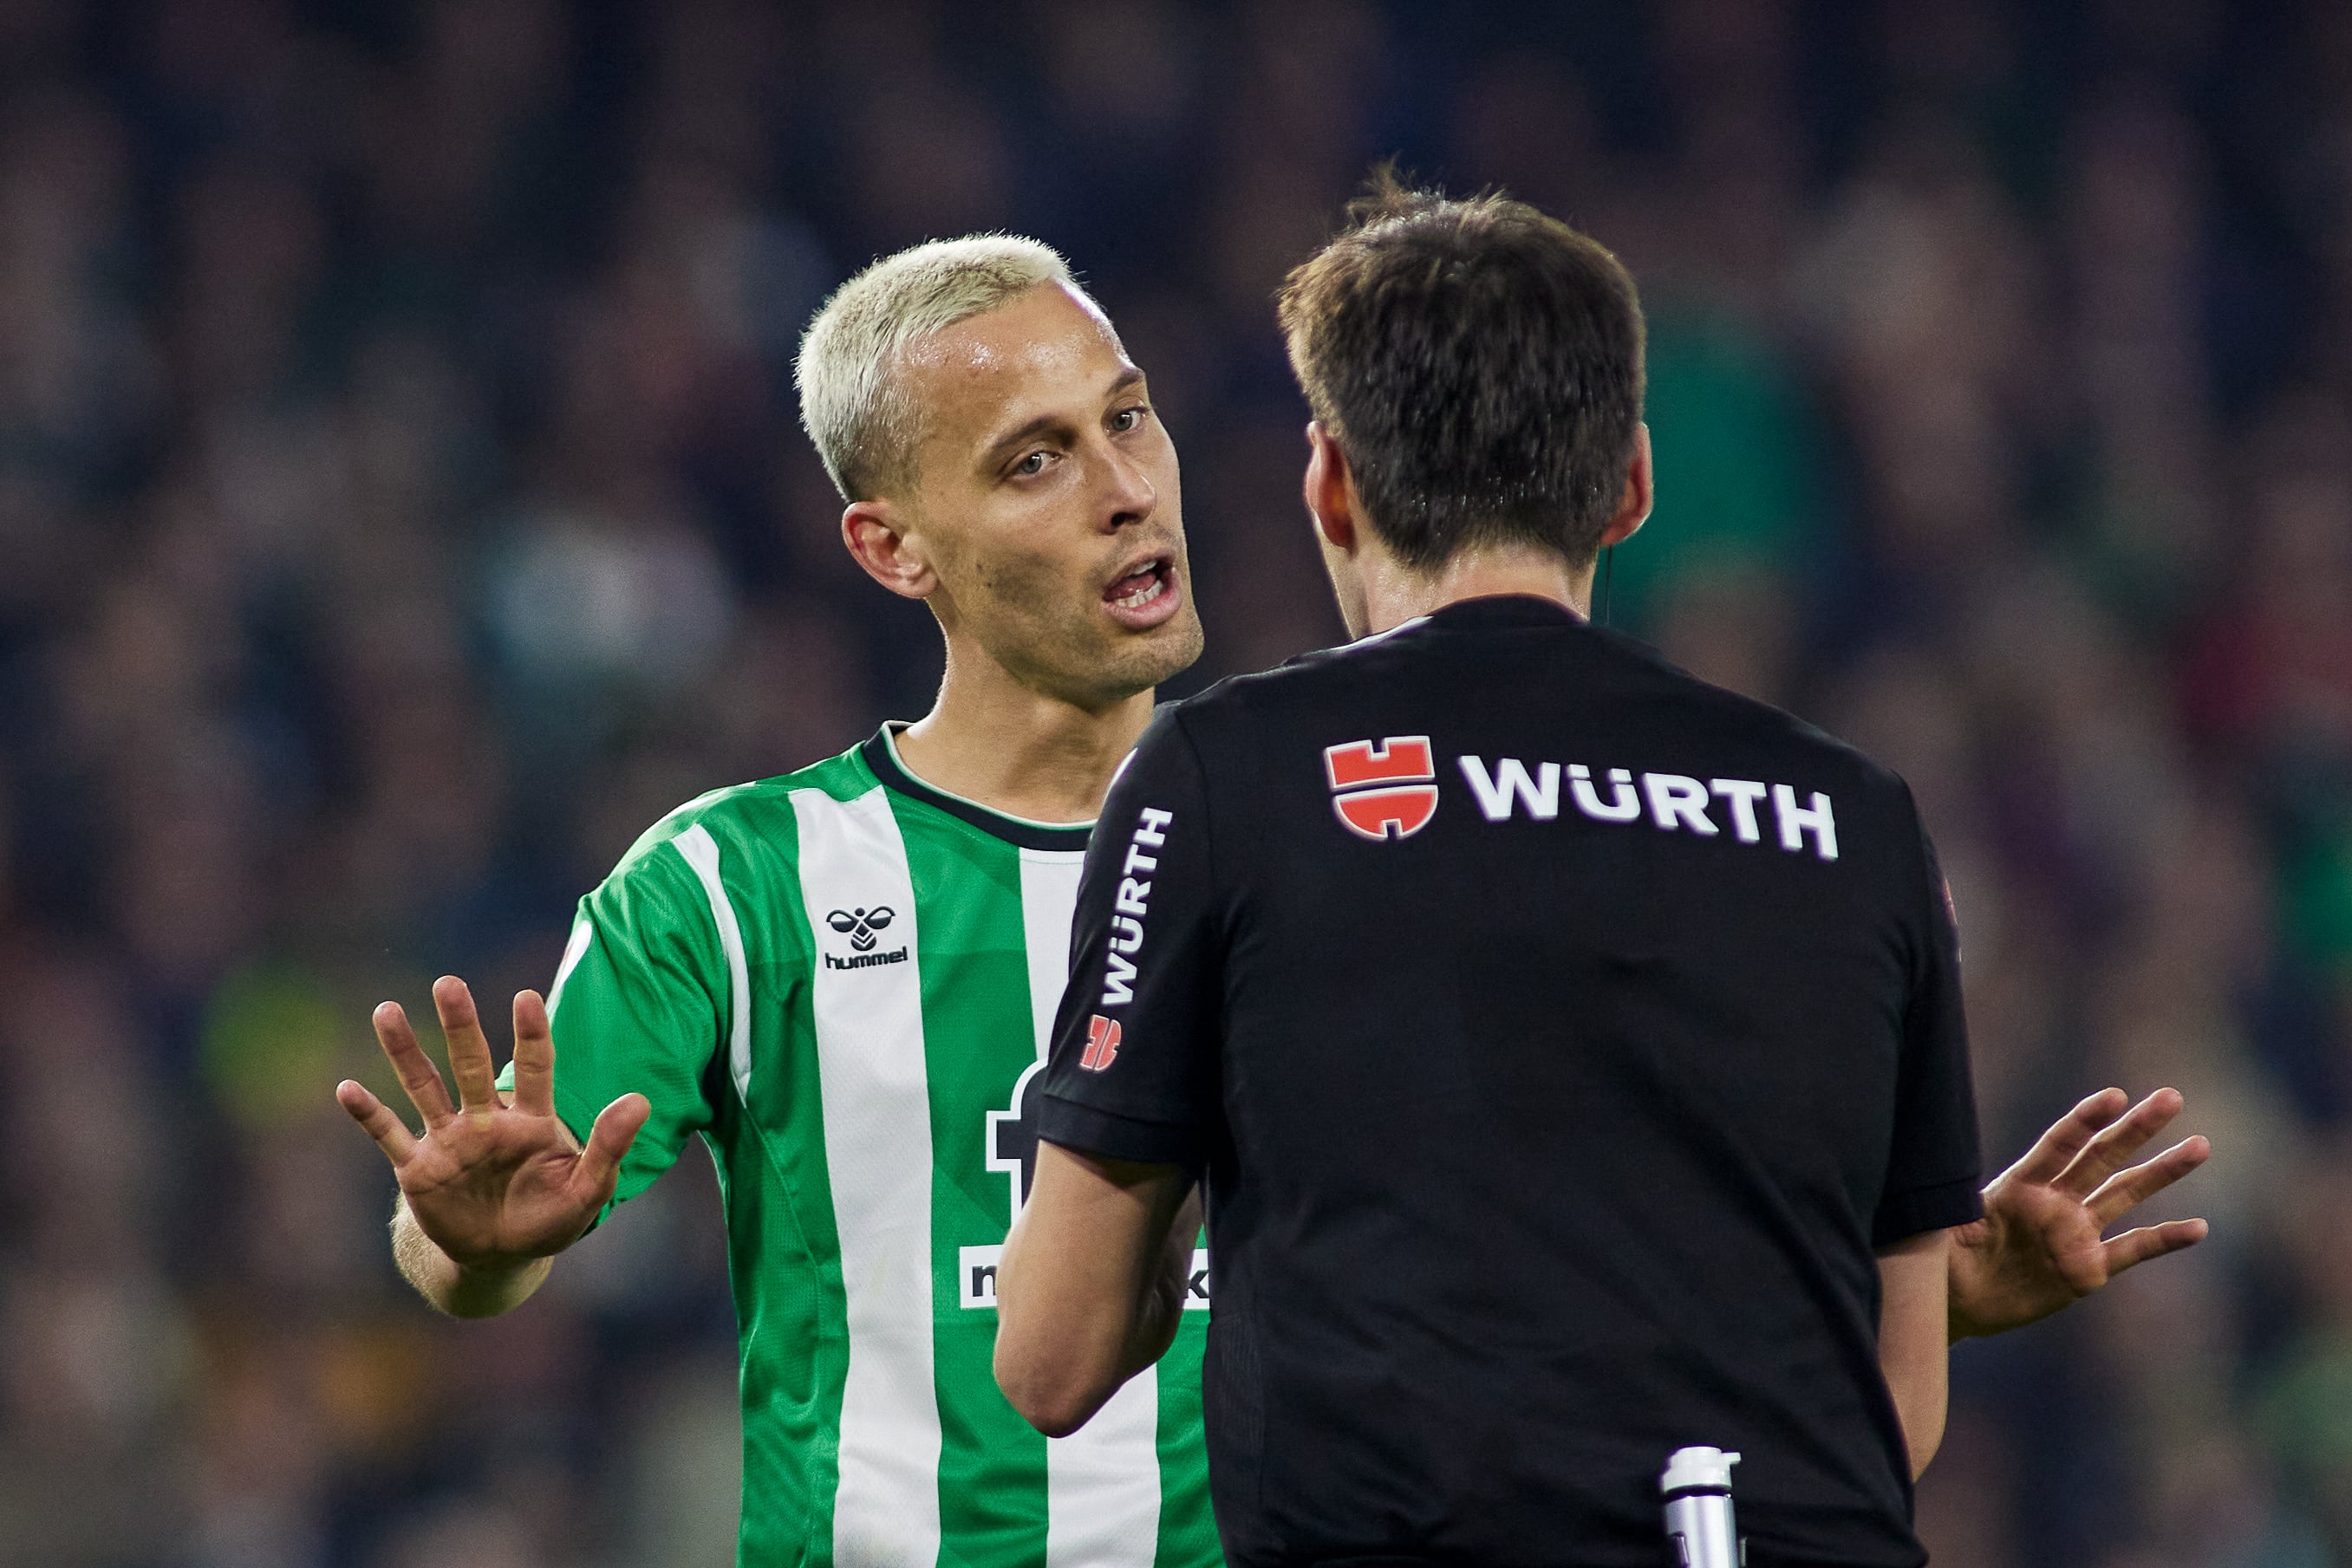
{"x": 860, "y": 925}
{"x": 1407, "y": 797}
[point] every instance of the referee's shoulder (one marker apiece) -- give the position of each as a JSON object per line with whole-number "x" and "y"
{"x": 1734, "y": 715}
{"x": 1299, "y": 681}
{"x": 1607, "y": 666}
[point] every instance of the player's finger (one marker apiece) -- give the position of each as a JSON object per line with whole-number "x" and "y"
{"x": 534, "y": 1057}
{"x": 2124, "y": 1190}
{"x": 2056, "y": 1149}
{"x": 469, "y": 1048}
{"x": 2113, "y": 1149}
{"x": 2137, "y": 1247}
{"x": 419, "y": 1079}
{"x": 616, "y": 1128}
{"x": 391, "y": 1135}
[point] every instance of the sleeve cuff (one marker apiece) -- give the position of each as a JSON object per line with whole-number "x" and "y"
{"x": 1910, "y": 1213}
{"x": 1093, "y": 1131}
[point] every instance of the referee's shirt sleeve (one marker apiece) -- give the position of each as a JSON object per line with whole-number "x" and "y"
{"x": 1933, "y": 1169}
{"x": 1132, "y": 1074}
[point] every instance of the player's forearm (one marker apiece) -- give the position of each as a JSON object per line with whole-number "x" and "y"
{"x": 447, "y": 1286}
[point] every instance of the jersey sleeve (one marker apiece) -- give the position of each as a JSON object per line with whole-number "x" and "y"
{"x": 640, "y": 1005}
{"x": 1934, "y": 1167}
{"x": 1133, "y": 1070}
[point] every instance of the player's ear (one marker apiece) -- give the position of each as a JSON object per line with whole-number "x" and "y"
{"x": 1331, "y": 490}
{"x": 1634, "y": 501}
{"x": 877, "y": 539}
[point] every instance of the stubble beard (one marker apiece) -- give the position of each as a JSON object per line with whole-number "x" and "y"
{"x": 1078, "y": 661}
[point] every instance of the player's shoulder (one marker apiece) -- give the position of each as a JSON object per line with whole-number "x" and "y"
{"x": 752, "y": 822}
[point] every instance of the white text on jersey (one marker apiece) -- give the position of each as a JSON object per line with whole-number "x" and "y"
{"x": 1132, "y": 903}
{"x": 1672, "y": 802}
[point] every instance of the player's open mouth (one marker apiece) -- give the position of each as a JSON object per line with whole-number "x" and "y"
{"x": 1146, "y": 596}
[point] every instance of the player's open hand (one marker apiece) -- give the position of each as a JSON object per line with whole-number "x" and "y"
{"x": 2039, "y": 1247}
{"x": 494, "y": 1183}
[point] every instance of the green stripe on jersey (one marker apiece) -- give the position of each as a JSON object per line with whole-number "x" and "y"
{"x": 842, "y": 984}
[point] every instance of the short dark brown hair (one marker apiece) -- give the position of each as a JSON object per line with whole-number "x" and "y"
{"x": 1480, "y": 364}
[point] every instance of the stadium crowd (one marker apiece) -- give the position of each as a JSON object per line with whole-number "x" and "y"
{"x": 402, "y": 505}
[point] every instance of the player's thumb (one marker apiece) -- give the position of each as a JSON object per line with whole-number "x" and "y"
{"x": 616, "y": 1128}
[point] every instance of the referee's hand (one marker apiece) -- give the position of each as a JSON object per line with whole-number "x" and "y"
{"x": 2039, "y": 1247}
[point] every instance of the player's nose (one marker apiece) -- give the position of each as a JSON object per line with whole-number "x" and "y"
{"x": 1128, "y": 494}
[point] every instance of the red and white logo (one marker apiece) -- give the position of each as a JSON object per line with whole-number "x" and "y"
{"x": 1102, "y": 1043}
{"x": 1402, "y": 792}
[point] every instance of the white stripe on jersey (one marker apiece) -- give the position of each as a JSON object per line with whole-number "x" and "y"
{"x": 878, "y": 1150}
{"x": 1049, "y": 907}
{"x": 583, "y": 932}
{"x": 1102, "y": 1481}
{"x": 701, "y": 850}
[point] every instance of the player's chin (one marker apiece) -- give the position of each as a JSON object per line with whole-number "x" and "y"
{"x": 1171, "y": 647}
{"x": 1136, "y": 659}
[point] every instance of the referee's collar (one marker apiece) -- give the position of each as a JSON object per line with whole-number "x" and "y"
{"x": 881, "y": 754}
{"x": 1505, "y": 610}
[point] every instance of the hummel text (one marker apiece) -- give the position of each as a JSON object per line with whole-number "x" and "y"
{"x": 865, "y": 960}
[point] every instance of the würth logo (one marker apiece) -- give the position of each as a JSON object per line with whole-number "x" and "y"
{"x": 860, "y": 925}
{"x": 1102, "y": 1043}
{"x": 1384, "y": 792}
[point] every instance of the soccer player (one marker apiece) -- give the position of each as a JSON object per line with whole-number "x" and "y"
{"x": 1572, "y": 1050}
{"x": 842, "y": 978}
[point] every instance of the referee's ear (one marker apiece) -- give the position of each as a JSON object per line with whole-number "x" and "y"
{"x": 876, "y": 539}
{"x": 1330, "y": 492}
{"x": 1634, "y": 501}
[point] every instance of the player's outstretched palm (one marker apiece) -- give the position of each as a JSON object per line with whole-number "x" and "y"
{"x": 2041, "y": 1244}
{"x": 492, "y": 1181}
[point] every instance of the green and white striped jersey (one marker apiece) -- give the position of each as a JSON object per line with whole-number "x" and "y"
{"x": 843, "y": 980}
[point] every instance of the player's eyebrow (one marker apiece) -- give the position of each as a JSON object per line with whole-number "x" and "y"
{"x": 998, "y": 450}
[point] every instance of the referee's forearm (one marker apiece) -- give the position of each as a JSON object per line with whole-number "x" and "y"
{"x": 1064, "y": 1344}
{"x": 1162, "y": 1308}
{"x": 1086, "y": 1293}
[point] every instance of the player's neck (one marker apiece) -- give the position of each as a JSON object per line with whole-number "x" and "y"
{"x": 1394, "y": 595}
{"x": 1014, "y": 749}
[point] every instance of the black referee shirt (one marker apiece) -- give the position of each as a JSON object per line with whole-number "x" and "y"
{"x": 1559, "y": 1036}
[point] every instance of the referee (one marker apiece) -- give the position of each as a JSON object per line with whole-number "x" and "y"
{"x": 1572, "y": 1051}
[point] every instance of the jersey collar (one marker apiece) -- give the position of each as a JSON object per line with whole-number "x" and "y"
{"x": 881, "y": 754}
{"x": 1505, "y": 610}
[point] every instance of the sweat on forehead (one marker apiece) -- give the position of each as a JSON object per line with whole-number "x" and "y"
{"x": 850, "y": 402}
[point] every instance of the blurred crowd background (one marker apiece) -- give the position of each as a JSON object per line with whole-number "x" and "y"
{"x": 402, "y": 505}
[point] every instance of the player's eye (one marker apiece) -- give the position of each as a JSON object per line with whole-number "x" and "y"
{"x": 1130, "y": 418}
{"x": 1029, "y": 467}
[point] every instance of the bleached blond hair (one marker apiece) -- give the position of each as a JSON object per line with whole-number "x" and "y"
{"x": 851, "y": 405}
